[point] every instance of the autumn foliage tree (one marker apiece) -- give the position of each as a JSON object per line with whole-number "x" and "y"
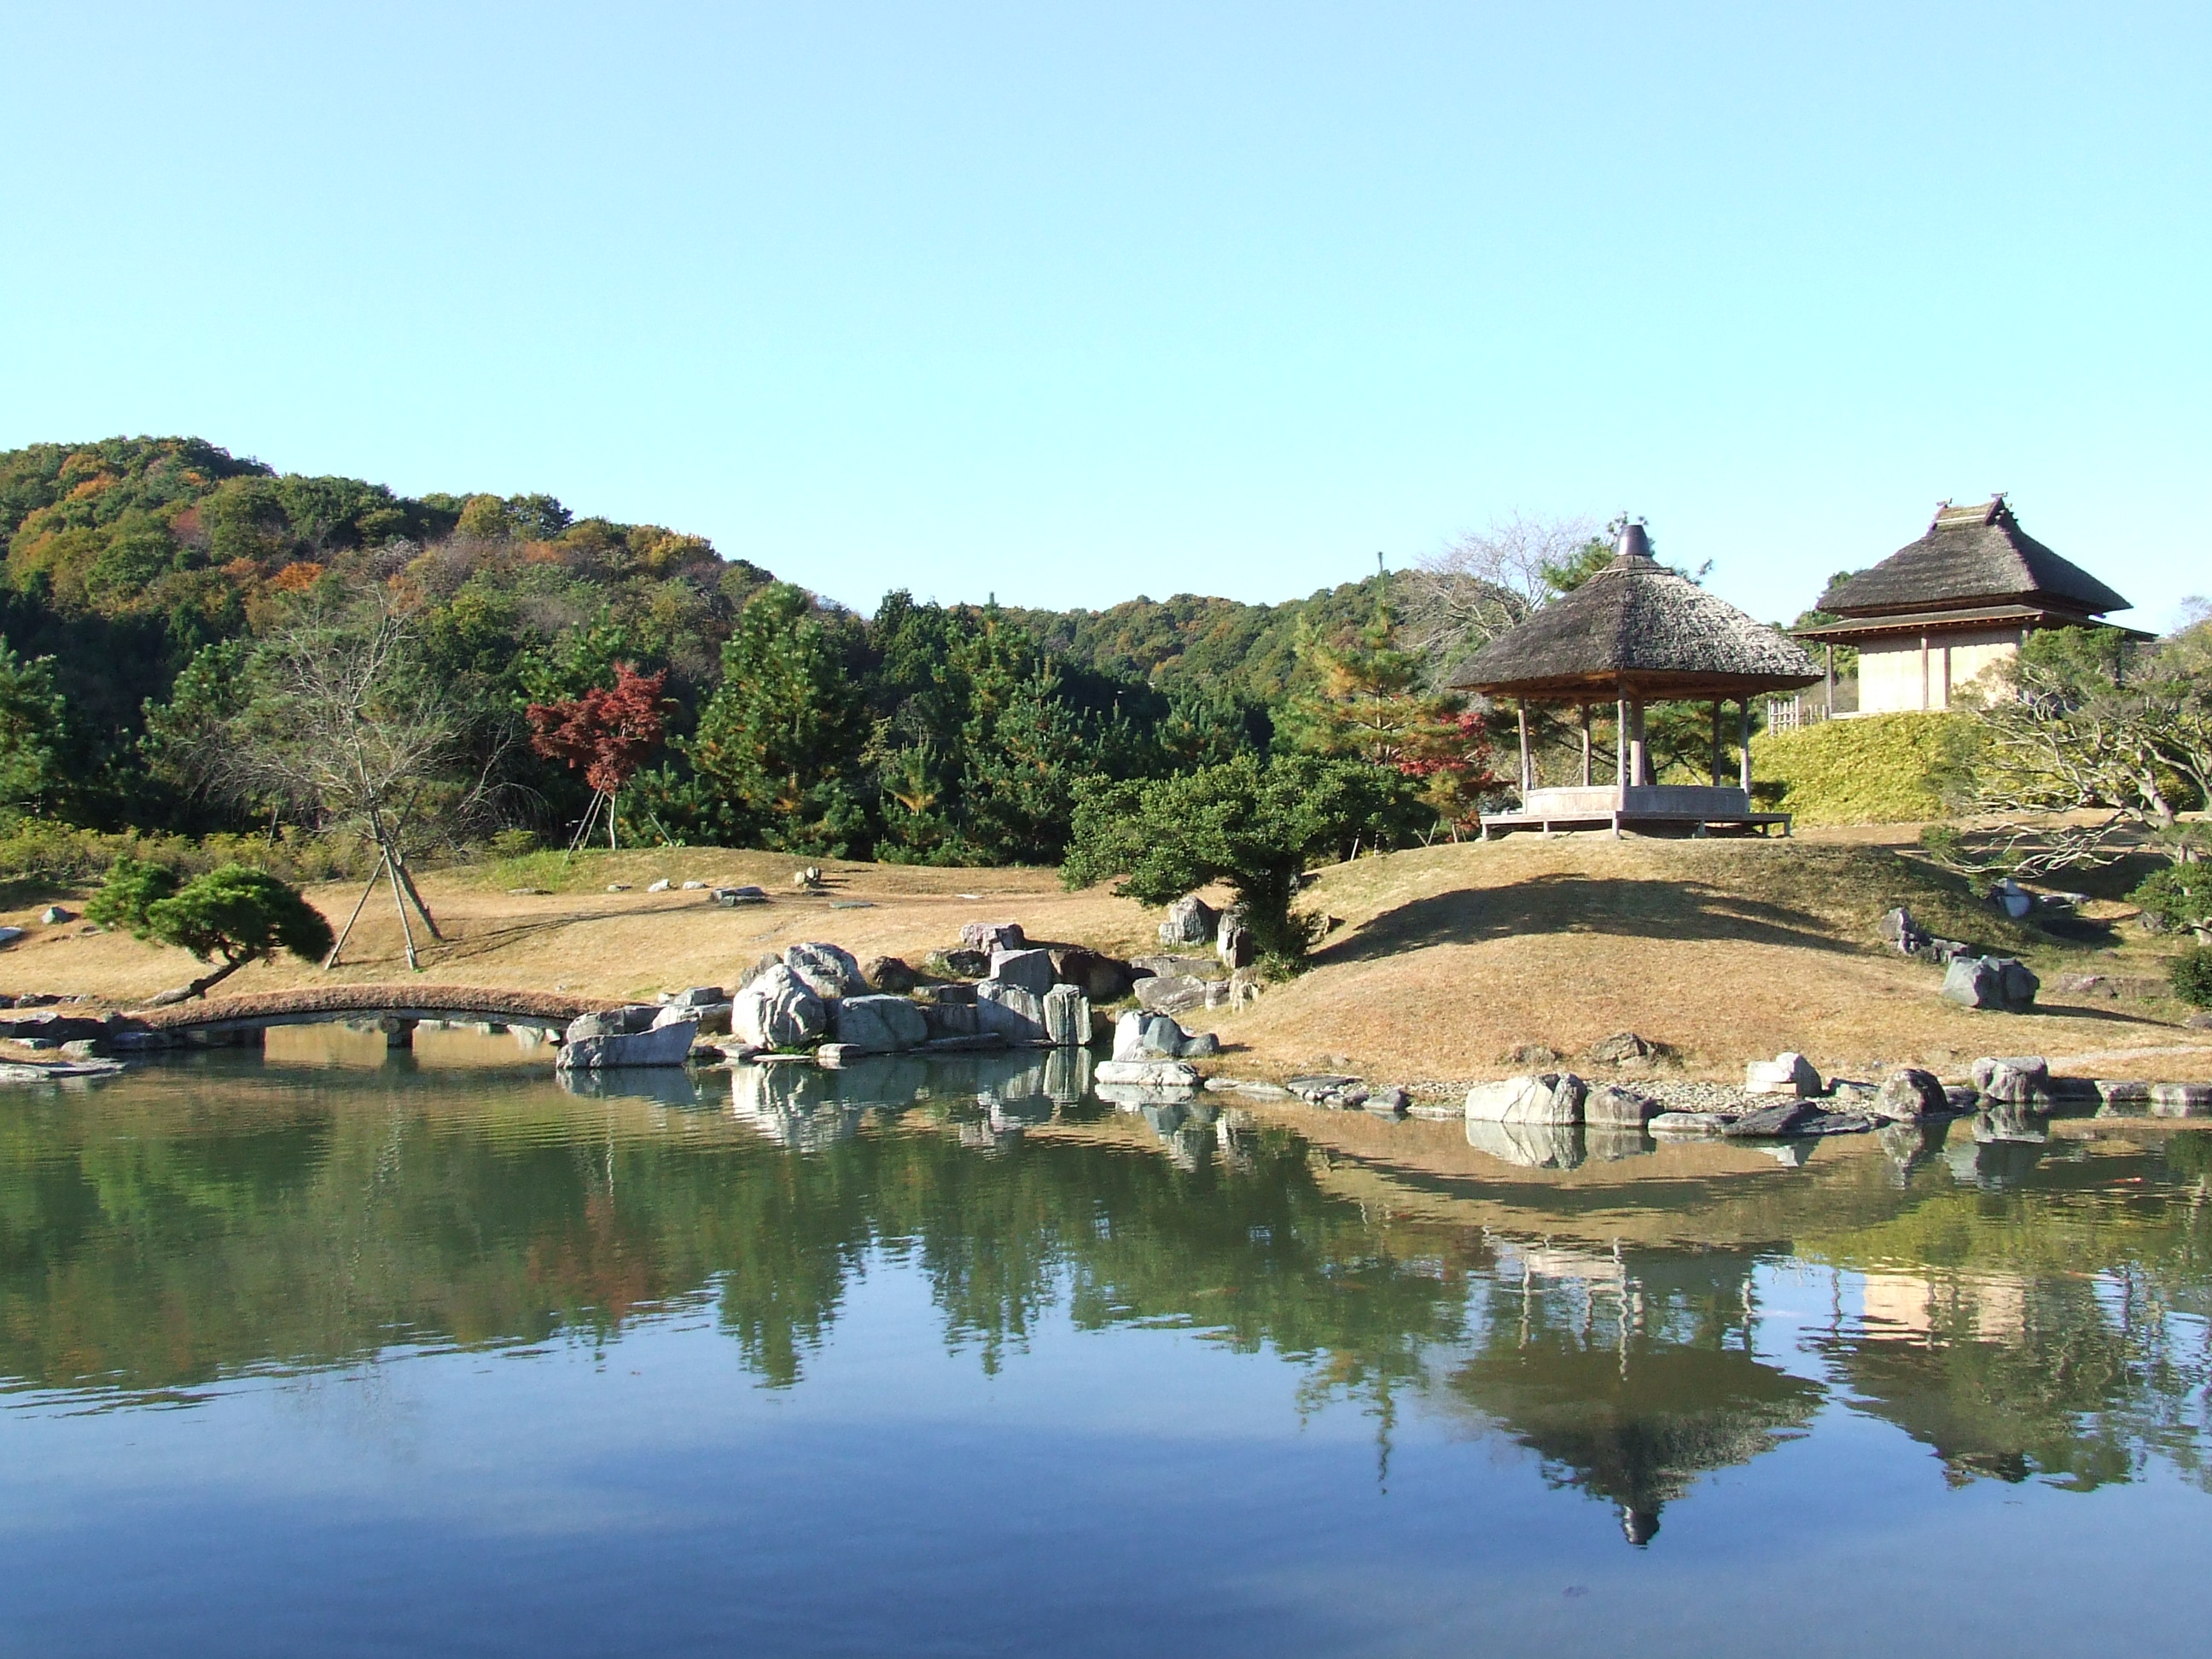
{"x": 608, "y": 732}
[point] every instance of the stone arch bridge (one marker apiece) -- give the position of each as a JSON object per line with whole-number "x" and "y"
{"x": 397, "y": 1008}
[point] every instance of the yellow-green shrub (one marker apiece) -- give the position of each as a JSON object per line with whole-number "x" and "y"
{"x": 1871, "y": 768}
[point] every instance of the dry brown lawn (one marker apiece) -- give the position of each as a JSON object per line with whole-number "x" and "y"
{"x": 1443, "y": 959}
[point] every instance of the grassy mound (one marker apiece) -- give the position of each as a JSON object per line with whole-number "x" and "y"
{"x": 1874, "y": 769}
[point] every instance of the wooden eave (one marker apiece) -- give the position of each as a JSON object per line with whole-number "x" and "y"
{"x": 1853, "y": 631}
{"x": 1650, "y": 685}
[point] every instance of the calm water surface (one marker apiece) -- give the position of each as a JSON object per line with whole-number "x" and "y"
{"x": 307, "y": 1353}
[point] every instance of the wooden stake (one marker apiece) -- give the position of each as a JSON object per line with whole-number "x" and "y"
{"x": 346, "y": 932}
{"x": 1586, "y": 746}
{"x": 399, "y": 904}
{"x": 1528, "y": 777}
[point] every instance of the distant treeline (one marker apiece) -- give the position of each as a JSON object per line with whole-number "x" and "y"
{"x": 141, "y": 571}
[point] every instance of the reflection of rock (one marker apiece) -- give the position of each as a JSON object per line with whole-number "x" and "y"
{"x": 2010, "y": 1122}
{"x": 1131, "y": 1096}
{"x": 1533, "y": 1145}
{"x": 1908, "y": 1145}
{"x": 792, "y": 1106}
{"x": 1993, "y": 1165}
{"x": 664, "y": 1085}
{"x": 1605, "y": 1144}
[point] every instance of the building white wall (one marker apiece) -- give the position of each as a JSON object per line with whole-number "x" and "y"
{"x": 1894, "y": 677}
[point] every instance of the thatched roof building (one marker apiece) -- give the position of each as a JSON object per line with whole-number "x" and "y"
{"x": 1637, "y": 629}
{"x": 1975, "y": 558}
{"x": 1940, "y": 611}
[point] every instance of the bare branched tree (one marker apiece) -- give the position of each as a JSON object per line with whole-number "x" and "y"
{"x": 339, "y": 722}
{"x": 2076, "y": 728}
{"x": 1455, "y": 602}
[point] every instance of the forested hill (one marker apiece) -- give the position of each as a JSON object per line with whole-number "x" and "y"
{"x": 145, "y": 576}
{"x": 1190, "y": 643}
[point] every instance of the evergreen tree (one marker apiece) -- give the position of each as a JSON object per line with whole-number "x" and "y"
{"x": 780, "y": 742}
{"x": 32, "y": 720}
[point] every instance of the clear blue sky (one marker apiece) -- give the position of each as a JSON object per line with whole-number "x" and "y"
{"x": 1068, "y": 303}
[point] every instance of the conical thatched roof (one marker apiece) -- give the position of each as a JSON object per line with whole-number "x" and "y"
{"x": 1972, "y": 556}
{"x": 1638, "y": 629}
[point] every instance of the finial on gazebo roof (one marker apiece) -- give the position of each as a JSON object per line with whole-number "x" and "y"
{"x": 1635, "y": 543}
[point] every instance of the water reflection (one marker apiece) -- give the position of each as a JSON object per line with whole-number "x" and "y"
{"x": 2019, "y": 1308}
{"x": 1630, "y": 1377}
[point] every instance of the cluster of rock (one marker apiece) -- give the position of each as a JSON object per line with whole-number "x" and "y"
{"x": 1192, "y": 921}
{"x": 1972, "y": 978}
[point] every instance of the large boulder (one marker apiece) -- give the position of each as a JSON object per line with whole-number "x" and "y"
{"x": 2003, "y": 984}
{"x": 879, "y": 1024}
{"x": 1141, "y": 1035}
{"x": 1909, "y": 1093}
{"x": 1031, "y": 969}
{"x": 951, "y": 1022}
{"x": 1547, "y": 1097}
{"x": 1147, "y": 1073}
{"x": 777, "y": 1011}
{"x": 990, "y": 936}
{"x": 712, "y": 1018}
{"x": 699, "y": 996}
{"x": 658, "y": 1045}
{"x": 1101, "y": 978}
{"x": 1012, "y": 1012}
{"x": 1066, "y": 1016}
{"x": 889, "y": 975}
{"x": 1610, "y": 1107}
{"x": 1787, "y": 1119}
{"x": 828, "y": 970}
{"x": 1787, "y": 1073}
{"x": 965, "y": 963}
{"x": 2013, "y": 1079}
{"x": 1232, "y": 941}
{"x": 1621, "y": 1048}
{"x": 1191, "y": 921}
{"x": 1176, "y": 993}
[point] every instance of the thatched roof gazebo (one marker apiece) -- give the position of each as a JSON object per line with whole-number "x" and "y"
{"x": 1637, "y": 633}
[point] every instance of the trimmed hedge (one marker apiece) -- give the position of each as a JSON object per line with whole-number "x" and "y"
{"x": 1870, "y": 768}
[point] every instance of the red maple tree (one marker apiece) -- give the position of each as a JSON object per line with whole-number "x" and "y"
{"x": 607, "y": 732}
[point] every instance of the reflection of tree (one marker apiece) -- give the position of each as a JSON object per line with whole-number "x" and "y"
{"x": 147, "y": 1248}
{"x": 2053, "y": 1325}
{"x": 1632, "y": 1378}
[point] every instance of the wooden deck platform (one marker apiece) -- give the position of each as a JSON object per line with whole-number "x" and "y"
{"x": 1695, "y": 807}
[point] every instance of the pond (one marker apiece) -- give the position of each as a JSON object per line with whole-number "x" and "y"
{"x": 323, "y": 1350}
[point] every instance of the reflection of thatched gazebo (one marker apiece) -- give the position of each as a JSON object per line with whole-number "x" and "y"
{"x": 1637, "y": 1428}
{"x": 1636, "y": 633}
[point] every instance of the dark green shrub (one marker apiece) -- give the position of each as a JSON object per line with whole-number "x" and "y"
{"x": 233, "y": 916}
{"x": 2192, "y": 975}
{"x": 2180, "y": 895}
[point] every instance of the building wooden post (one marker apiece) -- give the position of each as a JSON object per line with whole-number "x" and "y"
{"x": 1620, "y": 749}
{"x": 1743, "y": 776}
{"x": 1639, "y": 762}
{"x": 1832, "y": 680}
{"x": 1718, "y": 777}
{"x": 1586, "y": 746}
{"x": 1521, "y": 713}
